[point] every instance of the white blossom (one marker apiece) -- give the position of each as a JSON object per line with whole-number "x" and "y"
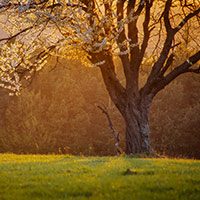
{"x": 99, "y": 63}
{"x": 189, "y": 62}
{"x": 68, "y": 28}
{"x": 133, "y": 45}
{"x": 124, "y": 52}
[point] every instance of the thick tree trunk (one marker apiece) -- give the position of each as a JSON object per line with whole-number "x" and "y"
{"x": 137, "y": 130}
{"x": 134, "y": 107}
{"x": 137, "y": 136}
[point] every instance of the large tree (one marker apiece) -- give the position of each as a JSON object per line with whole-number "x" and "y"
{"x": 96, "y": 31}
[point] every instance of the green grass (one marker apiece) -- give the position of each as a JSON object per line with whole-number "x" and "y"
{"x": 65, "y": 177}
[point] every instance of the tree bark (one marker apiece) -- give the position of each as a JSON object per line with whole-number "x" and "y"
{"x": 134, "y": 108}
{"x": 137, "y": 129}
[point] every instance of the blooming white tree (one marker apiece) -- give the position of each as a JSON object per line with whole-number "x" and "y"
{"x": 96, "y": 31}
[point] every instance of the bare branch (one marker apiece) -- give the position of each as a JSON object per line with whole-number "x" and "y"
{"x": 113, "y": 85}
{"x": 140, "y": 7}
{"x": 185, "y": 20}
{"x": 115, "y": 134}
{"x": 183, "y": 68}
{"x": 175, "y": 45}
{"x": 146, "y": 31}
{"x": 15, "y": 35}
{"x": 196, "y": 71}
{"x": 131, "y": 4}
{"x": 168, "y": 64}
{"x": 166, "y": 16}
{"x": 133, "y": 31}
{"x": 165, "y": 51}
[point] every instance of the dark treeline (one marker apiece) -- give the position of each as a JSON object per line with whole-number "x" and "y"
{"x": 57, "y": 113}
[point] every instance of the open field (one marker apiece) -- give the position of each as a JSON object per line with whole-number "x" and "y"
{"x": 57, "y": 177}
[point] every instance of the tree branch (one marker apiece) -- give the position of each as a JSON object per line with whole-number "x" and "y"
{"x": 76, "y": 5}
{"x": 120, "y": 16}
{"x": 31, "y": 5}
{"x": 168, "y": 64}
{"x": 121, "y": 39}
{"x": 146, "y": 31}
{"x": 196, "y": 71}
{"x": 156, "y": 70}
{"x": 183, "y": 68}
{"x": 15, "y": 35}
{"x": 185, "y": 20}
{"x": 133, "y": 32}
{"x": 115, "y": 134}
{"x": 140, "y": 7}
{"x": 166, "y": 16}
{"x": 165, "y": 51}
{"x": 131, "y": 4}
{"x": 113, "y": 85}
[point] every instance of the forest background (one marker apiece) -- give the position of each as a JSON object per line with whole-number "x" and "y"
{"x": 57, "y": 113}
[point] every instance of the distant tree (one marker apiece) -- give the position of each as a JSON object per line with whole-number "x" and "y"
{"x": 42, "y": 119}
{"x": 96, "y": 31}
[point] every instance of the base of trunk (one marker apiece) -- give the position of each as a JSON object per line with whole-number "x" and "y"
{"x": 145, "y": 149}
{"x": 138, "y": 134}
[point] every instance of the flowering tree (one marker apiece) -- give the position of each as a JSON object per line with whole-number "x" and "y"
{"x": 96, "y": 31}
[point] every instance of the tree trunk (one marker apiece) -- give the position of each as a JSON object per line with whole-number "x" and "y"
{"x": 137, "y": 129}
{"x": 134, "y": 108}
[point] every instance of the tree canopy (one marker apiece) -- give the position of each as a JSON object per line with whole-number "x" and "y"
{"x": 96, "y": 29}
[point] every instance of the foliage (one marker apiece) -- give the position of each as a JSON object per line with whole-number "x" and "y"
{"x": 58, "y": 114}
{"x": 175, "y": 119}
{"x": 24, "y": 131}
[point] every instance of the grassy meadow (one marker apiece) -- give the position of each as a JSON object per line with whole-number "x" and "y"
{"x": 27, "y": 177}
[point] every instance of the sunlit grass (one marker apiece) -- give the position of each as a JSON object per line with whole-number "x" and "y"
{"x": 66, "y": 177}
